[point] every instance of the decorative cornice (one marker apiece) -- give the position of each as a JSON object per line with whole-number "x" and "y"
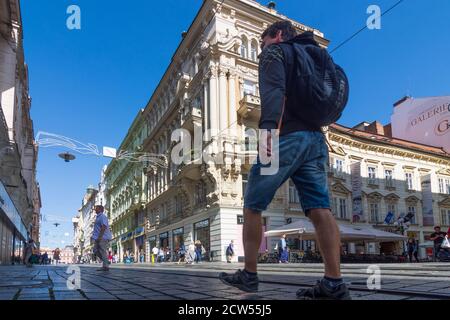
{"x": 360, "y": 143}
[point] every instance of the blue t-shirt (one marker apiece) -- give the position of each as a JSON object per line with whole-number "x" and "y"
{"x": 100, "y": 221}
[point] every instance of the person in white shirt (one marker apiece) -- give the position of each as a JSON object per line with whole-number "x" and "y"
{"x": 101, "y": 237}
{"x": 155, "y": 251}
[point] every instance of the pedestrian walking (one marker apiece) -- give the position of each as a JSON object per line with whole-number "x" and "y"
{"x": 191, "y": 253}
{"x": 28, "y": 252}
{"x": 198, "y": 251}
{"x": 161, "y": 255}
{"x": 282, "y": 250}
{"x": 413, "y": 250}
{"x": 301, "y": 91}
{"x": 44, "y": 258}
{"x": 155, "y": 251}
{"x": 230, "y": 251}
{"x": 437, "y": 237}
{"x": 181, "y": 253}
{"x": 57, "y": 255}
{"x": 101, "y": 237}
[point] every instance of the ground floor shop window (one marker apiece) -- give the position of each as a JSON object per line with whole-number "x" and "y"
{"x": 178, "y": 239}
{"x": 164, "y": 240}
{"x": 202, "y": 233}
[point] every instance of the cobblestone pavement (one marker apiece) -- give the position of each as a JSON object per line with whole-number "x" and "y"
{"x": 199, "y": 282}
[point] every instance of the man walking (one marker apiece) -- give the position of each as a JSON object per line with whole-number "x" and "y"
{"x": 437, "y": 237}
{"x": 282, "y": 250}
{"x": 101, "y": 237}
{"x": 301, "y": 149}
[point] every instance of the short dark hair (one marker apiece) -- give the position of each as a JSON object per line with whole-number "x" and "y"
{"x": 288, "y": 30}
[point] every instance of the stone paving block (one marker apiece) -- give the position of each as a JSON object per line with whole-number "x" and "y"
{"x": 380, "y": 296}
{"x": 129, "y": 297}
{"x": 191, "y": 296}
{"x": 34, "y": 297}
{"x": 444, "y": 291}
{"x": 160, "y": 297}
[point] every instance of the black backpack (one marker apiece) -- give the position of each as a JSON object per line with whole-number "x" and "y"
{"x": 317, "y": 84}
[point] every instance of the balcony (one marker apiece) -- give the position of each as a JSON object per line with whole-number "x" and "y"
{"x": 190, "y": 168}
{"x": 337, "y": 173}
{"x": 191, "y": 116}
{"x": 250, "y": 108}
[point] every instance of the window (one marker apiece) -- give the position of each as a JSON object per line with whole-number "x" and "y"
{"x": 251, "y": 140}
{"x": 254, "y": 51}
{"x": 412, "y": 209}
{"x": 372, "y": 175}
{"x": 342, "y": 208}
{"x": 388, "y": 175}
{"x": 200, "y": 194}
{"x": 249, "y": 88}
{"x": 445, "y": 217}
{"x": 392, "y": 208}
{"x": 293, "y": 193}
{"x": 409, "y": 181}
{"x": 339, "y": 166}
{"x": 444, "y": 186}
{"x": 374, "y": 213}
{"x": 244, "y": 48}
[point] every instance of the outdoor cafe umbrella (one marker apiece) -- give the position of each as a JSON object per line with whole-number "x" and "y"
{"x": 305, "y": 230}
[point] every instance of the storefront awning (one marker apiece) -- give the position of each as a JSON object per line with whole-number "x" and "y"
{"x": 305, "y": 230}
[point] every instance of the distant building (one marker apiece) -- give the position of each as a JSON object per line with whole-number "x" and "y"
{"x": 87, "y": 214}
{"x": 67, "y": 255}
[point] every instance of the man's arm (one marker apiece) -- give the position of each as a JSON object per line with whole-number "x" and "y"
{"x": 102, "y": 232}
{"x": 272, "y": 86}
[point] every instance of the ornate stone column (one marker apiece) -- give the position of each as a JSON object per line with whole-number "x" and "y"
{"x": 223, "y": 97}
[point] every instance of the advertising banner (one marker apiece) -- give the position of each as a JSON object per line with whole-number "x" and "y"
{"x": 425, "y": 121}
{"x": 356, "y": 180}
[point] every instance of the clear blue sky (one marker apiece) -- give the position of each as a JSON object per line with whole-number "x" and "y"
{"x": 90, "y": 84}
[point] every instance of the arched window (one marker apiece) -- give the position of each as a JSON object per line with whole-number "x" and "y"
{"x": 244, "y": 47}
{"x": 251, "y": 139}
{"x": 254, "y": 50}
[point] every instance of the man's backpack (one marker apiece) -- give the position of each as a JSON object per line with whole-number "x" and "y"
{"x": 317, "y": 84}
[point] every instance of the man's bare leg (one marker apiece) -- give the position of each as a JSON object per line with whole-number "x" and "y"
{"x": 329, "y": 241}
{"x": 251, "y": 235}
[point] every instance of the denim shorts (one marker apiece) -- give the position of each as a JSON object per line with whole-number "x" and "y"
{"x": 303, "y": 157}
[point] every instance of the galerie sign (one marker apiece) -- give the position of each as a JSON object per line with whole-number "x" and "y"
{"x": 425, "y": 121}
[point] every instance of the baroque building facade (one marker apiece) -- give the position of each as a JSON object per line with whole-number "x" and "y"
{"x": 210, "y": 92}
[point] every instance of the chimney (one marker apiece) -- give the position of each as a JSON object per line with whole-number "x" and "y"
{"x": 376, "y": 128}
{"x": 183, "y": 34}
{"x": 388, "y": 130}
